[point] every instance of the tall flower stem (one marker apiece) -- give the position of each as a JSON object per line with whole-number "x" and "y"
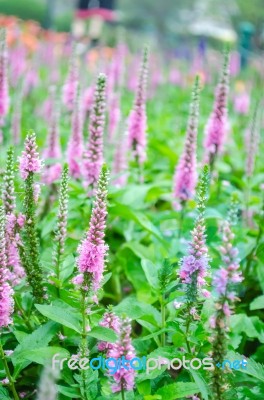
{"x": 219, "y": 351}
{"x": 60, "y": 235}
{"x": 216, "y": 127}
{"x": 185, "y": 176}
{"x": 31, "y": 260}
{"x": 137, "y": 122}
{"x": 93, "y": 155}
{"x": 84, "y": 347}
{"x": 91, "y": 261}
{"x": 29, "y": 250}
{"x": 8, "y": 373}
{"x": 123, "y": 396}
{"x": 194, "y": 266}
{"x": 188, "y": 324}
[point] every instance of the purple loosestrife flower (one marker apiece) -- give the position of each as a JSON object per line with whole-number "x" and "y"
{"x": 13, "y": 223}
{"x": 194, "y": 266}
{"x": 185, "y": 177}
{"x": 52, "y": 152}
{"x": 93, "y": 250}
{"x": 4, "y": 92}
{"x": 71, "y": 84}
{"x": 111, "y": 321}
{"x": 224, "y": 283}
{"x": 13, "y": 226}
{"x": 124, "y": 379}
{"x": 75, "y": 146}
{"x": 137, "y": 123}
{"x": 228, "y": 275}
{"x": 217, "y": 125}
{"x": 29, "y": 162}
{"x": 93, "y": 155}
{"x": 6, "y": 292}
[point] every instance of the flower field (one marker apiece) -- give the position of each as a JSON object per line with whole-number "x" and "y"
{"x": 131, "y": 221}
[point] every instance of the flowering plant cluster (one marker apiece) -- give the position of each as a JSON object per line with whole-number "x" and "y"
{"x": 130, "y": 227}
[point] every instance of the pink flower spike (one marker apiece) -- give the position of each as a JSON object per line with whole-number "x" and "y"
{"x": 217, "y": 125}
{"x": 185, "y": 177}
{"x": 75, "y": 146}
{"x": 123, "y": 348}
{"x": 29, "y": 161}
{"x": 93, "y": 155}
{"x": 93, "y": 250}
{"x": 4, "y": 90}
{"x": 71, "y": 84}
{"x": 137, "y": 122}
{"x": 6, "y": 292}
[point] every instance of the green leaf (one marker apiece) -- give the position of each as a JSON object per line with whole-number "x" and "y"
{"x": 178, "y": 390}
{"x": 39, "y": 338}
{"x": 243, "y": 323}
{"x": 260, "y": 274}
{"x": 144, "y": 387}
{"x": 71, "y": 392}
{"x": 141, "y": 219}
{"x": 178, "y": 339}
{"x": 67, "y": 267}
{"x": 62, "y": 316}
{"x": 200, "y": 382}
{"x": 4, "y": 394}
{"x": 151, "y": 272}
{"x": 136, "y": 309}
{"x": 257, "y": 303}
{"x": 105, "y": 334}
{"x": 253, "y": 368}
{"x": 42, "y": 355}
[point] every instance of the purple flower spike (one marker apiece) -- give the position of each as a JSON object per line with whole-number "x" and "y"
{"x": 75, "y": 147}
{"x": 6, "y": 292}
{"x": 93, "y": 250}
{"x": 185, "y": 177}
{"x": 216, "y": 128}
{"x": 93, "y": 156}
{"x": 29, "y": 161}
{"x": 137, "y": 123}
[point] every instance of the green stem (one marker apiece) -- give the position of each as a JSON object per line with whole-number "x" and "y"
{"x": 58, "y": 269}
{"x": 123, "y": 396}
{"x": 181, "y": 220}
{"x": 247, "y": 199}
{"x": 163, "y": 320}
{"x": 84, "y": 341}
{"x": 8, "y": 374}
{"x": 24, "y": 316}
{"x": 188, "y": 324}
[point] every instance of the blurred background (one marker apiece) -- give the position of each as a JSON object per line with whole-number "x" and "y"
{"x": 166, "y": 20}
{"x": 174, "y": 25}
